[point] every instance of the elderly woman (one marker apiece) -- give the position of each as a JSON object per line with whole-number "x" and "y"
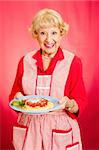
{"x": 49, "y": 71}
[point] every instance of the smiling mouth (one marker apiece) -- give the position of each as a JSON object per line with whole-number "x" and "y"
{"x": 49, "y": 45}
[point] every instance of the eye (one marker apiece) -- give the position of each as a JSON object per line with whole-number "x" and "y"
{"x": 54, "y": 32}
{"x": 42, "y": 33}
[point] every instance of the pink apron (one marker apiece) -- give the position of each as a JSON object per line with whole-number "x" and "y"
{"x": 56, "y": 131}
{"x": 52, "y": 131}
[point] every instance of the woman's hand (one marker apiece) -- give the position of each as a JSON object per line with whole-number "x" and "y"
{"x": 18, "y": 94}
{"x": 69, "y": 104}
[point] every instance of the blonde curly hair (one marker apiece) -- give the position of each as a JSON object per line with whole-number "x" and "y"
{"x": 48, "y": 18}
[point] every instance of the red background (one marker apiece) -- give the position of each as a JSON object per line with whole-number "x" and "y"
{"x": 15, "y": 41}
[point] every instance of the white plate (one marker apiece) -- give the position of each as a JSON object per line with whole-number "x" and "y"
{"x": 49, "y": 98}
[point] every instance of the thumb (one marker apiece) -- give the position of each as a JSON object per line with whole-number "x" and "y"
{"x": 63, "y": 101}
{"x": 18, "y": 94}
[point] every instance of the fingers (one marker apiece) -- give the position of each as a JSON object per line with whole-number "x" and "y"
{"x": 18, "y": 94}
{"x": 64, "y": 99}
{"x": 63, "y": 102}
{"x": 69, "y": 104}
{"x": 73, "y": 106}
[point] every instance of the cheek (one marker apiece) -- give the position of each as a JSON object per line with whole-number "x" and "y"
{"x": 58, "y": 40}
{"x": 43, "y": 39}
{"x": 40, "y": 40}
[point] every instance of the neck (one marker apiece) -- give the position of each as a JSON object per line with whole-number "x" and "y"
{"x": 48, "y": 55}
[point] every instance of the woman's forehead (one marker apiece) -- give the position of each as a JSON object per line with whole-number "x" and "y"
{"x": 47, "y": 28}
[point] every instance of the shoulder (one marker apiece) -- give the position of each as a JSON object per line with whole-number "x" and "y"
{"x": 31, "y": 53}
{"x": 26, "y": 56}
{"x": 29, "y": 57}
{"x": 68, "y": 53}
{"x": 77, "y": 61}
{"x": 68, "y": 56}
{"x": 21, "y": 61}
{"x": 76, "y": 66}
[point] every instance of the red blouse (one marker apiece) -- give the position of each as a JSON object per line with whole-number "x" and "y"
{"x": 74, "y": 87}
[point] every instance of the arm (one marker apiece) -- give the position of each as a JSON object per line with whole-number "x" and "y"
{"x": 75, "y": 94}
{"x": 17, "y": 86}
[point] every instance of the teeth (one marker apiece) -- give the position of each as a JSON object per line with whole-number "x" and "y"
{"x": 49, "y": 45}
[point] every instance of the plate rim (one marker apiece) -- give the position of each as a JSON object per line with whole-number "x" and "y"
{"x": 50, "y": 98}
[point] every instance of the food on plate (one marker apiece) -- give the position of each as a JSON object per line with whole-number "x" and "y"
{"x": 33, "y": 104}
{"x": 18, "y": 103}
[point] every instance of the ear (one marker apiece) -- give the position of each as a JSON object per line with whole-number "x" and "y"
{"x": 61, "y": 36}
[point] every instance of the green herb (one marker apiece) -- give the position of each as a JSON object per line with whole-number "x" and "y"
{"x": 18, "y": 103}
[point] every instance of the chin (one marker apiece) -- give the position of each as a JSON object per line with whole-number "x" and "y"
{"x": 50, "y": 52}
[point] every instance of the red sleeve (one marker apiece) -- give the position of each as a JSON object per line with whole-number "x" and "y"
{"x": 75, "y": 86}
{"x": 17, "y": 86}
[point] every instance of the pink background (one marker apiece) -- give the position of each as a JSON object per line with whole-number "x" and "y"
{"x": 15, "y": 41}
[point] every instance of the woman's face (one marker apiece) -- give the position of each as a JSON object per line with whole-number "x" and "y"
{"x": 49, "y": 39}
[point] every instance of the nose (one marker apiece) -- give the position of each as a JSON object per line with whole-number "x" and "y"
{"x": 48, "y": 37}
